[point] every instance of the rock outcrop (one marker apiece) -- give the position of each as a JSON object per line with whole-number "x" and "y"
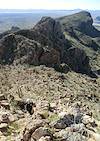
{"x": 45, "y": 44}
{"x": 47, "y": 32}
{"x": 77, "y": 60}
{"x": 18, "y": 49}
{"x": 7, "y": 48}
{"x": 80, "y": 26}
{"x": 81, "y": 21}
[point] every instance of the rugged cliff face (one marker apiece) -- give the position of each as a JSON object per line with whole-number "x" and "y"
{"x": 7, "y": 48}
{"x": 48, "y": 33}
{"x": 79, "y": 30}
{"x": 80, "y": 26}
{"x": 21, "y": 50}
{"x": 81, "y": 21}
{"x": 77, "y": 60}
{"x": 46, "y": 44}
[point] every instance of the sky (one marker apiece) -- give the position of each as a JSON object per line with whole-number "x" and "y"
{"x": 50, "y": 4}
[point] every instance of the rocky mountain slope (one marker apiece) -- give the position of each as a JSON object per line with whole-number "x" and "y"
{"x": 50, "y": 81}
{"x": 38, "y": 103}
{"x": 79, "y": 29}
{"x": 81, "y": 21}
{"x": 50, "y": 47}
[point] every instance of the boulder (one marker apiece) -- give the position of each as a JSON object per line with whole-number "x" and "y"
{"x": 60, "y": 124}
{"x": 63, "y": 68}
{"x": 2, "y": 97}
{"x": 5, "y": 104}
{"x": 41, "y": 132}
{"x": 26, "y": 105}
{"x": 64, "y": 122}
{"x": 47, "y": 138}
{"x": 94, "y": 137}
{"x": 30, "y": 129}
{"x": 7, "y": 117}
{"x": 3, "y": 127}
{"x": 80, "y": 128}
{"x": 86, "y": 119}
{"x": 68, "y": 135}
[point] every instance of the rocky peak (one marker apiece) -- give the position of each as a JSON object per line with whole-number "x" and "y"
{"x": 81, "y": 21}
{"x": 48, "y": 25}
{"x": 82, "y": 18}
{"x": 45, "y": 20}
{"x": 50, "y": 33}
{"x": 75, "y": 18}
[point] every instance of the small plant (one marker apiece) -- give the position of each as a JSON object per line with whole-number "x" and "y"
{"x": 13, "y": 127}
{"x": 44, "y": 114}
{"x": 19, "y": 92}
{"x": 53, "y": 117}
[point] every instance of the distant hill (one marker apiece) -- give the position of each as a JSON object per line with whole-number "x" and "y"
{"x": 37, "y": 11}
